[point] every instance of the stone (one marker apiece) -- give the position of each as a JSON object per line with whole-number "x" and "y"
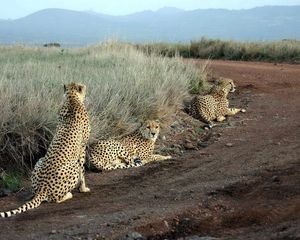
{"x": 174, "y": 124}
{"x": 189, "y": 146}
{"x": 133, "y": 236}
{"x": 200, "y": 238}
{"x": 275, "y": 179}
{"x": 202, "y": 144}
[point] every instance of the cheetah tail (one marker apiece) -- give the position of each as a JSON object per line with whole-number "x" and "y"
{"x": 34, "y": 203}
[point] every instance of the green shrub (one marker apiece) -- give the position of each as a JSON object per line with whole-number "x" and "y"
{"x": 10, "y": 180}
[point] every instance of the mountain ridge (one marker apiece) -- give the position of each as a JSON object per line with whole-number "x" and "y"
{"x": 166, "y": 24}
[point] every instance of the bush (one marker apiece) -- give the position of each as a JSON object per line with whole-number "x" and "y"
{"x": 10, "y": 180}
{"x": 277, "y": 51}
{"x": 124, "y": 86}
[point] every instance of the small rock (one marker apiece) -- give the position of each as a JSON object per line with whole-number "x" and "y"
{"x": 202, "y": 144}
{"x": 133, "y": 236}
{"x": 5, "y": 192}
{"x": 53, "y": 232}
{"x": 231, "y": 124}
{"x": 166, "y": 224}
{"x": 200, "y": 238}
{"x": 174, "y": 124}
{"x": 189, "y": 146}
{"x": 275, "y": 179}
{"x": 229, "y": 145}
{"x": 163, "y": 138}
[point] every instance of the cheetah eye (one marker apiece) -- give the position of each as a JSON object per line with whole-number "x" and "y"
{"x": 148, "y": 127}
{"x": 156, "y": 127}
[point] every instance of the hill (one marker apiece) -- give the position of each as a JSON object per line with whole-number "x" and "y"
{"x": 166, "y": 24}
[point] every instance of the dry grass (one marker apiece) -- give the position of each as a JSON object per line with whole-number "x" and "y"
{"x": 268, "y": 51}
{"x": 124, "y": 86}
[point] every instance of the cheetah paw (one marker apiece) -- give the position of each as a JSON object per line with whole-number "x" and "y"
{"x": 208, "y": 126}
{"x": 138, "y": 162}
{"x": 84, "y": 189}
{"x": 65, "y": 198}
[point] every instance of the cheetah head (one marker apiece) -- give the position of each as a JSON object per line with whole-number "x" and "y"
{"x": 223, "y": 86}
{"x": 150, "y": 129}
{"x": 228, "y": 84}
{"x": 77, "y": 89}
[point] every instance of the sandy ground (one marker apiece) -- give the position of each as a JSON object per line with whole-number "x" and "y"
{"x": 240, "y": 180}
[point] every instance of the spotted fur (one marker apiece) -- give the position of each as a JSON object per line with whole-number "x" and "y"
{"x": 215, "y": 105}
{"x": 61, "y": 170}
{"x": 131, "y": 150}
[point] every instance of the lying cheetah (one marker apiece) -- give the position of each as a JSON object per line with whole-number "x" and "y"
{"x": 215, "y": 105}
{"x": 61, "y": 170}
{"x": 131, "y": 150}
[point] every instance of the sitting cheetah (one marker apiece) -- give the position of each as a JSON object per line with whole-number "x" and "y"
{"x": 131, "y": 150}
{"x": 215, "y": 105}
{"x": 61, "y": 170}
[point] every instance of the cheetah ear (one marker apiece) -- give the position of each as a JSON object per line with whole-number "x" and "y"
{"x": 80, "y": 88}
{"x": 219, "y": 82}
{"x": 157, "y": 121}
{"x": 141, "y": 123}
{"x": 214, "y": 81}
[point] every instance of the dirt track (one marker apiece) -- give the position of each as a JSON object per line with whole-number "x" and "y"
{"x": 242, "y": 183}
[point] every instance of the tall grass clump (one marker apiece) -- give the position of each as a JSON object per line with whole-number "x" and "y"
{"x": 267, "y": 51}
{"x": 11, "y": 180}
{"x": 124, "y": 87}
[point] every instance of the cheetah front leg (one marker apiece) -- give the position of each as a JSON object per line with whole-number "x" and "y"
{"x": 82, "y": 185}
{"x": 233, "y": 111}
{"x": 65, "y": 197}
{"x": 157, "y": 157}
{"x": 130, "y": 158}
{"x": 220, "y": 118}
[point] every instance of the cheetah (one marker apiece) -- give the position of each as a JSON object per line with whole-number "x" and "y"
{"x": 61, "y": 170}
{"x": 215, "y": 105}
{"x": 131, "y": 150}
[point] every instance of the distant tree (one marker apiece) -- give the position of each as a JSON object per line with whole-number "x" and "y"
{"x": 51, "y": 45}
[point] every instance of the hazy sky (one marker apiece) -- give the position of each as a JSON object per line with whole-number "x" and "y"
{"x": 19, "y": 8}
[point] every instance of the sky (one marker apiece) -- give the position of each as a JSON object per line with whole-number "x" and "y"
{"x": 12, "y": 9}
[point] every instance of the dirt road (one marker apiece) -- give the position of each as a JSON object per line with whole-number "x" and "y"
{"x": 242, "y": 181}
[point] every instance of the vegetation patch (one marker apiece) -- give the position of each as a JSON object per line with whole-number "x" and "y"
{"x": 124, "y": 86}
{"x": 11, "y": 180}
{"x": 268, "y": 51}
